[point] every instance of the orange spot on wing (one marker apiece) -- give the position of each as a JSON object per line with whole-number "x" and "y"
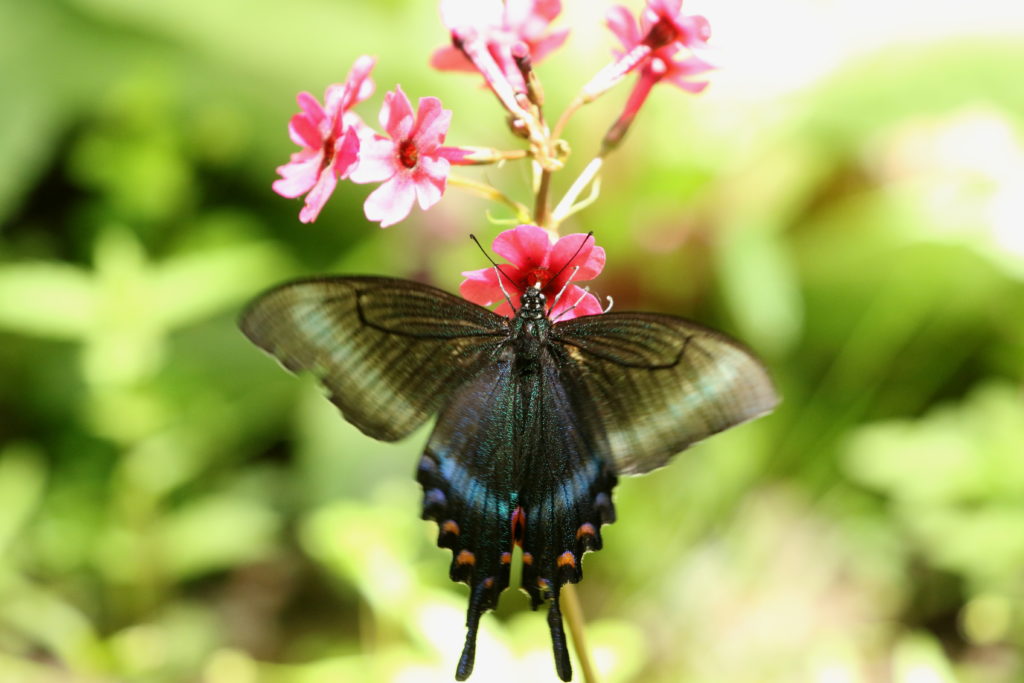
{"x": 465, "y": 557}
{"x": 450, "y": 527}
{"x": 586, "y": 529}
{"x": 489, "y": 582}
{"x": 527, "y": 558}
{"x": 506, "y": 558}
{"x": 567, "y": 559}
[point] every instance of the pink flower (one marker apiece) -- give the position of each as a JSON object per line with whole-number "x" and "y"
{"x": 533, "y": 258}
{"x": 411, "y": 162}
{"x": 499, "y": 25}
{"x": 664, "y": 23}
{"x": 664, "y": 63}
{"x": 329, "y": 139}
{"x": 653, "y": 46}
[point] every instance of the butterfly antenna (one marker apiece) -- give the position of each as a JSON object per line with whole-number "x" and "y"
{"x": 573, "y": 257}
{"x": 558, "y": 296}
{"x": 501, "y": 273}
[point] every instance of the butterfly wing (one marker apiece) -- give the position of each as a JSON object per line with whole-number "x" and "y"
{"x": 660, "y": 383}
{"x": 389, "y": 351}
{"x": 508, "y": 464}
{"x": 565, "y": 491}
{"x": 468, "y": 477}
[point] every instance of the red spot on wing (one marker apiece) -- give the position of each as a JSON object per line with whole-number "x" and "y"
{"x": 518, "y": 525}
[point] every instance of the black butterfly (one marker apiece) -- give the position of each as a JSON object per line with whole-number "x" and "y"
{"x": 536, "y": 417}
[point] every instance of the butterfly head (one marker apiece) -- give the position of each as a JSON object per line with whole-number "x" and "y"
{"x": 531, "y": 303}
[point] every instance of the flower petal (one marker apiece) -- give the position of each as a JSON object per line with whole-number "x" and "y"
{"x": 432, "y": 122}
{"x": 362, "y": 85}
{"x": 311, "y": 106}
{"x": 304, "y": 132}
{"x": 620, "y": 21}
{"x": 376, "y": 161}
{"x": 430, "y": 178}
{"x": 299, "y": 175}
{"x": 346, "y": 154}
{"x": 481, "y": 287}
{"x": 542, "y": 48}
{"x": 590, "y": 258}
{"x": 396, "y": 115}
{"x": 525, "y": 246}
{"x": 392, "y": 201}
{"x": 317, "y": 197}
{"x": 448, "y": 58}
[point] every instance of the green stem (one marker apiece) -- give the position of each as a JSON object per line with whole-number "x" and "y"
{"x": 540, "y": 208}
{"x": 566, "y": 115}
{"x": 574, "y": 615}
{"x": 568, "y": 205}
{"x": 489, "y": 192}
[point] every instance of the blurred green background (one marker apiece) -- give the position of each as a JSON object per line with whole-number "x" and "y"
{"x": 847, "y": 198}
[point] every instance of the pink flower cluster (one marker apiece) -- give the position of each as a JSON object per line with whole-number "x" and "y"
{"x": 502, "y": 40}
{"x": 410, "y": 160}
{"x": 660, "y": 47}
{"x": 499, "y": 26}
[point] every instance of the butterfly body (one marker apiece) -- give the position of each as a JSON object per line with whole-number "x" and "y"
{"x": 535, "y": 417}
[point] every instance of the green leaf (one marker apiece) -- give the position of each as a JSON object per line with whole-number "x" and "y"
{"x": 52, "y": 300}
{"x": 22, "y": 480}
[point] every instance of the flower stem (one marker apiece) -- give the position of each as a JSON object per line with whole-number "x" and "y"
{"x": 574, "y": 615}
{"x": 476, "y": 156}
{"x": 567, "y": 206}
{"x": 566, "y": 115}
{"x": 540, "y": 207}
{"x": 489, "y": 192}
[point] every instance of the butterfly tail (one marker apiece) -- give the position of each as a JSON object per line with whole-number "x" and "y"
{"x": 478, "y": 604}
{"x": 562, "y": 664}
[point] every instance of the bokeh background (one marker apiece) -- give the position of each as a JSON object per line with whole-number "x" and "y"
{"x": 847, "y": 198}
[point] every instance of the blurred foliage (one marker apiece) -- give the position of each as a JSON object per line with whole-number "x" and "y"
{"x": 173, "y": 507}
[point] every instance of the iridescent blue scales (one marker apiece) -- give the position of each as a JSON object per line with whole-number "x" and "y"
{"x": 535, "y": 418}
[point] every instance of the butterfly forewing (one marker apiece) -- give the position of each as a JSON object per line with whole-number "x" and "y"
{"x": 389, "y": 351}
{"x": 660, "y": 383}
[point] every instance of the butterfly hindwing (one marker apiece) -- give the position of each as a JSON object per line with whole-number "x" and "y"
{"x": 468, "y": 473}
{"x": 369, "y": 340}
{"x": 510, "y": 462}
{"x": 661, "y": 383}
{"x": 566, "y": 491}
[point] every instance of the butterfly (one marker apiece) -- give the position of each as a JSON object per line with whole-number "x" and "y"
{"x": 536, "y": 417}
